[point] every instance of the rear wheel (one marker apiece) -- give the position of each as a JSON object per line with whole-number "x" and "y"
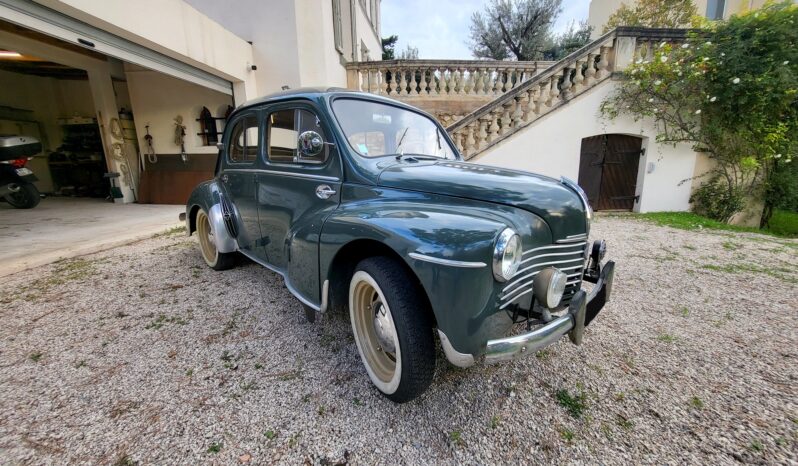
{"x": 207, "y": 243}
{"x": 27, "y": 197}
{"x": 392, "y": 327}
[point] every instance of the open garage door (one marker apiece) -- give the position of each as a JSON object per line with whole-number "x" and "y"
{"x": 45, "y": 20}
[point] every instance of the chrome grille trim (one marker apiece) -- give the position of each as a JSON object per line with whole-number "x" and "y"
{"x": 554, "y": 247}
{"x": 515, "y": 278}
{"x": 572, "y": 239}
{"x": 567, "y": 255}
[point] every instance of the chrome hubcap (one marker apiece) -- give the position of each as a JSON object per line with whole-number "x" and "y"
{"x": 383, "y": 327}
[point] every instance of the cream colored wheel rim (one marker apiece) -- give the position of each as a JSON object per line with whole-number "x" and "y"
{"x": 367, "y": 309}
{"x": 206, "y": 239}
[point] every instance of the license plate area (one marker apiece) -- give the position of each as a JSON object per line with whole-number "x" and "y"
{"x": 24, "y": 171}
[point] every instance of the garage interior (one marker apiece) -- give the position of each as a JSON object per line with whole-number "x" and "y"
{"x": 109, "y": 128}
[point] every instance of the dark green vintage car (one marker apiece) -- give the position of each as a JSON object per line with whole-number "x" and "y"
{"x": 364, "y": 203}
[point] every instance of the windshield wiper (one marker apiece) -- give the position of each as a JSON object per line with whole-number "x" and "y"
{"x": 398, "y": 145}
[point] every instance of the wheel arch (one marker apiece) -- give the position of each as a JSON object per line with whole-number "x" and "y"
{"x": 343, "y": 266}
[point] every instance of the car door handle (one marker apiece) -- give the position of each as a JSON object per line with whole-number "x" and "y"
{"x": 324, "y": 191}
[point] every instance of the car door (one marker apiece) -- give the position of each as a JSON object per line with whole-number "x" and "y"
{"x": 242, "y": 149}
{"x": 295, "y": 195}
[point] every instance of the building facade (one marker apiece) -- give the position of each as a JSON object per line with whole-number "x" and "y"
{"x": 141, "y": 89}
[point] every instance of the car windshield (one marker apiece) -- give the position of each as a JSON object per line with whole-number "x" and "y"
{"x": 374, "y": 129}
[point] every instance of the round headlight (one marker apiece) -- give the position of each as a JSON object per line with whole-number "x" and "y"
{"x": 549, "y": 286}
{"x": 507, "y": 255}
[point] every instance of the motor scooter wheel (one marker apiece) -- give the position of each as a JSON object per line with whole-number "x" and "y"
{"x": 27, "y": 197}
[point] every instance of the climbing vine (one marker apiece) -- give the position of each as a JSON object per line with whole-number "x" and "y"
{"x": 730, "y": 91}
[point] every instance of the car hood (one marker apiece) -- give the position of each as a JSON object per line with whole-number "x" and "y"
{"x": 560, "y": 206}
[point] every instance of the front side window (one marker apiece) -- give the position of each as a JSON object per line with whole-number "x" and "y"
{"x": 284, "y": 129}
{"x": 244, "y": 140}
{"x": 374, "y": 129}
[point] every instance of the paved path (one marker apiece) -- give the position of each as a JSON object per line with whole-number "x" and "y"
{"x": 59, "y": 228}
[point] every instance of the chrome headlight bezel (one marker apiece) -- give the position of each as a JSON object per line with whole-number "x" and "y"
{"x": 507, "y": 255}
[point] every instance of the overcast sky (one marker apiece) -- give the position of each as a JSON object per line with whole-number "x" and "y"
{"x": 439, "y": 28}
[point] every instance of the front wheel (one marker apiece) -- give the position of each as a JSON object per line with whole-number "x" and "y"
{"x": 392, "y": 327}
{"x": 27, "y": 197}
{"x": 207, "y": 243}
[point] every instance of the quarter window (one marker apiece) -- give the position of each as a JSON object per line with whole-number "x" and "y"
{"x": 244, "y": 140}
{"x": 285, "y": 126}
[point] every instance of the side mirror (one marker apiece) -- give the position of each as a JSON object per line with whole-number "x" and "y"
{"x": 310, "y": 144}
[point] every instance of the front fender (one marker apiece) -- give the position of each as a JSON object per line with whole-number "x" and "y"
{"x": 462, "y": 297}
{"x": 208, "y": 197}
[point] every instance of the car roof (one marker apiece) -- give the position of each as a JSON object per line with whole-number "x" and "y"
{"x": 314, "y": 93}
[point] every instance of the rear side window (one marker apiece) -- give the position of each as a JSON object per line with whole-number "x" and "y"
{"x": 284, "y": 129}
{"x": 244, "y": 140}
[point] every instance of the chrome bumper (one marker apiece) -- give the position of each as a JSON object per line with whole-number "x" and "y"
{"x": 582, "y": 310}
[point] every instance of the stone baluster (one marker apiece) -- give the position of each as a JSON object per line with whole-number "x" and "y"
{"x": 531, "y": 108}
{"x": 578, "y": 76}
{"x": 543, "y": 97}
{"x": 517, "y": 118}
{"x": 469, "y": 82}
{"x": 479, "y": 83}
{"x": 459, "y": 80}
{"x": 383, "y": 81}
{"x": 413, "y": 82}
{"x": 493, "y": 125}
{"x": 506, "y": 123}
{"x": 590, "y": 72}
{"x": 554, "y": 89}
{"x": 443, "y": 83}
{"x": 470, "y": 142}
{"x": 435, "y": 81}
{"x": 359, "y": 80}
{"x": 402, "y": 82}
{"x": 603, "y": 64}
{"x": 506, "y": 80}
{"x": 565, "y": 87}
{"x": 482, "y": 134}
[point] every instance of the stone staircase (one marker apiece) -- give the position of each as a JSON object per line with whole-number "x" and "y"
{"x": 449, "y": 89}
{"x": 499, "y": 99}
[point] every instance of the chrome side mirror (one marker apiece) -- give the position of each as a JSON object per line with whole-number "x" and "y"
{"x": 310, "y": 144}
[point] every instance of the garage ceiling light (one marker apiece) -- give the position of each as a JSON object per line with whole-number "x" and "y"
{"x": 9, "y": 54}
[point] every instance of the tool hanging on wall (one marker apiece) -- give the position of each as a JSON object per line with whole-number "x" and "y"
{"x": 151, "y": 156}
{"x": 180, "y": 137}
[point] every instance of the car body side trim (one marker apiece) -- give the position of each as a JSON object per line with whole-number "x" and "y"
{"x": 288, "y": 285}
{"x": 308, "y": 176}
{"x": 452, "y": 263}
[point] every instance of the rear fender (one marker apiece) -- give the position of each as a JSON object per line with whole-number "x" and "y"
{"x": 208, "y": 197}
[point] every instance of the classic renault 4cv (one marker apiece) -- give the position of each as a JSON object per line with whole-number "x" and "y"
{"x": 363, "y": 203}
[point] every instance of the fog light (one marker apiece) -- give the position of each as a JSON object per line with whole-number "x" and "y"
{"x": 549, "y": 286}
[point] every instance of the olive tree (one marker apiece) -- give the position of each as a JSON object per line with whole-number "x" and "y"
{"x": 513, "y": 29}
{"x": 731, "y": 91}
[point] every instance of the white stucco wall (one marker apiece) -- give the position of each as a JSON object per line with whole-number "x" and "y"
{"x": 156, "y": 99}
{"x": 551, "y": 146}
{"x": 171, "y": 27}
{"x": 271, "y": 26}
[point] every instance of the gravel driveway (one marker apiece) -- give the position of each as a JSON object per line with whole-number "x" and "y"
{"x": 143, "y": 355}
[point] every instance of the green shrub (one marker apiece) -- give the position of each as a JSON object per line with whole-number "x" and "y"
{"x": 715, "y": 200}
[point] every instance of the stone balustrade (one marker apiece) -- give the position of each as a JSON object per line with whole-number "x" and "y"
{"x": 423, "y": 78}
{"x": 555, "y": 86}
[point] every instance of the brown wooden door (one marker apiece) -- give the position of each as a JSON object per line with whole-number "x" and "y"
{"x": 608, "y": 170}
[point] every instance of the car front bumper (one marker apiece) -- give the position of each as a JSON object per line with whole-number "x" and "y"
{"x": 581, "y": 311}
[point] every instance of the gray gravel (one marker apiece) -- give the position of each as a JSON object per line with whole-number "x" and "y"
{"x": 141, "y": 354}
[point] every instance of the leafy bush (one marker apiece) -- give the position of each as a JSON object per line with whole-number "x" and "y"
{"x": 716, "y": 201}
{"x": 730, "y": 91}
